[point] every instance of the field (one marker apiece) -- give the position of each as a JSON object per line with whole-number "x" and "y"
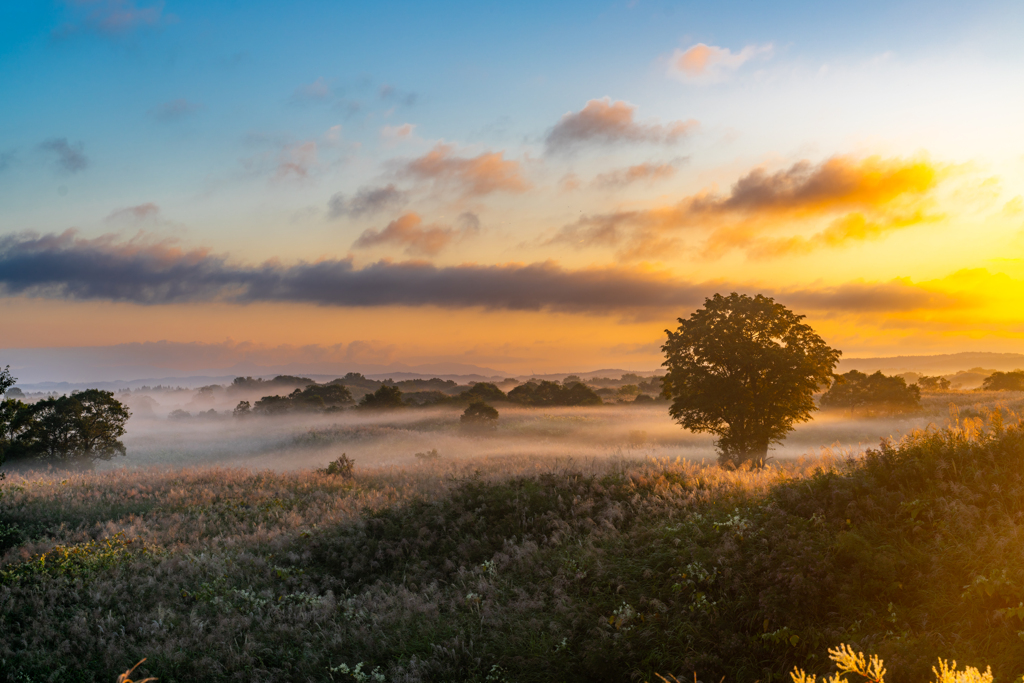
{"x": 569, "y": 545}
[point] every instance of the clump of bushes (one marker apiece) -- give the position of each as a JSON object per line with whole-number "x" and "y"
{"x": 342, "y": 467}
{"x": 858, "y": 392}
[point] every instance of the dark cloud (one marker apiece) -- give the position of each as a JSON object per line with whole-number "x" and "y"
{"x": 174, "y": 110}
{"x": 67, "y": 266}
{"x": 367, "y": 201}
{"x": 604, "y": 122}
{"x": 70, "y": 158}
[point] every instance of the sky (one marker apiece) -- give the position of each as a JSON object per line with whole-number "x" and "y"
{"x": 529, "y": 187}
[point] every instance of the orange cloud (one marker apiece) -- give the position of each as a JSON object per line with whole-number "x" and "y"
{"x": 648, "y": 172}
{"x": 408, "y": 230}
{"x": 605, "y": 122}
{"x": 861, "y": 199}
{"x": 483, "y": 174}
{"x": 710, "y": 63}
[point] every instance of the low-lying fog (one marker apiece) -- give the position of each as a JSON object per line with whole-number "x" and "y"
{"x": 375, "y": 439}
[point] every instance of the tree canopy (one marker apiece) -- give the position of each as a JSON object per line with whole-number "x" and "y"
{"x": 479, "y": 415}
{"x": 874, "y": 393}
{"x": 1004, "y": 381}
{"x": 76, "y": 429}
{"x": 546, "y": 393}
{"x": 745, "y": 369}
{"x": 935, "y": 383}
{"x": 386, "y": 396}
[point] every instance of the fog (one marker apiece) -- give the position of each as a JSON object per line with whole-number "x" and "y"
{"x": 393, "y": 438}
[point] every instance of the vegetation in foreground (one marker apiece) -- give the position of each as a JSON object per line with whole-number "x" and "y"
{"x": 522, "y": 571}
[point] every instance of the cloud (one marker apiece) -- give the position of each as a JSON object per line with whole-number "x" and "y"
{"x": 296, "y": 161}
{"x": 367, "y": 201}
{"x": 396, "y": 133}
{"x": 174, "y": 110}
{"x": 135, "y": 214}
{"x": 408, "y": 231}
{"x": 110, "y": 17}
{"x": 708, "y": 63}
{"x": 7, "y": 158}
{"x": 483, "y": 174}
{"x": 604, "y": 122}
{"x": 144, "y": 272}
{"x": 70, "y": 158}
{"x": 858, "y": 199}
{"x": 648, "y": 172}
{"x": 317, "y": 91}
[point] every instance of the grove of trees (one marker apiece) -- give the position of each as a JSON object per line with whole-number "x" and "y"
{"x": 1004, "y": 381}
{"x": 744, "y": 369}
{"x": 71, "y": 430}
{"x": 546, "y": 393}
{"x": 857, "y": 391}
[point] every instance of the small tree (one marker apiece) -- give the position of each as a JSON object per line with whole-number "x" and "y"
{"x": 6, "y": 380}
{"x": 744, "y": 369}
{"x": 479, "y": 415}
{"x": 243, "y": 409}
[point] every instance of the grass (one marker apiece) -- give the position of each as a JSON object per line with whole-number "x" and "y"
{"x": 522, "y": 569}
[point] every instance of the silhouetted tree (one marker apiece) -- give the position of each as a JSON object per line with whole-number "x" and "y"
{"x": 745, "y": 369}
{"x": 272, "y": 405}
{"x": 243, "y": 409}
{"x": 480, "y": 416}
{"x": 386, "y": 396}
{"x": 1004, "y": 381}
{"x": 7, "y": 380}
{"x": 933, "y": 383}
{"x": 873, "y": 393}
{"x": 484, "y": 391}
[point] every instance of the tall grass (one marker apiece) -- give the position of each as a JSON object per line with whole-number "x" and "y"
{"x": 522, "y": 569}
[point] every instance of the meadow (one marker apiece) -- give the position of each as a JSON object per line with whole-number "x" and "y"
{"x": 597, "y": 544}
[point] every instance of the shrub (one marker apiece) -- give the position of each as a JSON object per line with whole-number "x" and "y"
{"x": 342, "y": 467}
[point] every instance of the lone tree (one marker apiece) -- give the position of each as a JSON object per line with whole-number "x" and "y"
{"x": 479, "y": 416}
{"x": 744, "y": 369}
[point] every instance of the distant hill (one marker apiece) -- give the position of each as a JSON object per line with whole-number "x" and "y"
{"x": 942, "y": 364}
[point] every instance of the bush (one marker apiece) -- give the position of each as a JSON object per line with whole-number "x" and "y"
{"x": 342, "y": 467}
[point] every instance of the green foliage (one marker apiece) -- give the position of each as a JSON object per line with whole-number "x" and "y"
{"x": 76, "y": 429}
{"x": 872, "y": 393}
{"x": 386, "y": 397}
{"x": 606, "y": 575}
{"x": 548, "y": 393}
{"x": 343, "y": 467}
{"x": 744, "y": 369}
{"x": 1004, "y": 381}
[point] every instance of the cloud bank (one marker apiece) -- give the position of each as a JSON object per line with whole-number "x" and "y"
{"x": 70, "y": 267}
